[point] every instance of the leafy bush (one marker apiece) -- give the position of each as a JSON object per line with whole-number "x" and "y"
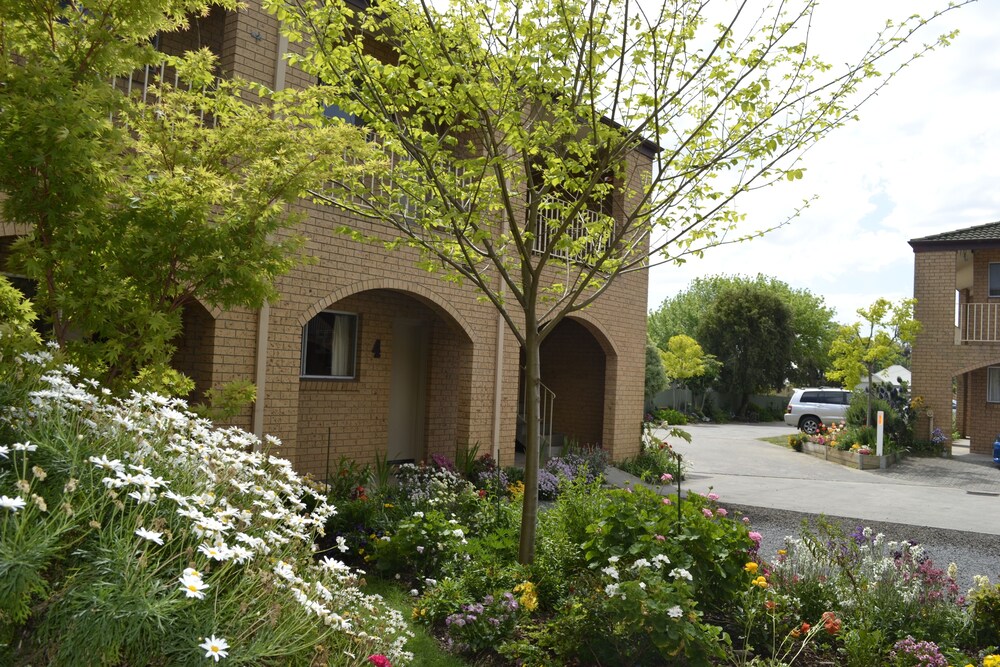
{"x": 671, "y": 416}
{"x": 656, "y": 461}
{"x": 984, "y": 607}
{"x": 136, "y": 529}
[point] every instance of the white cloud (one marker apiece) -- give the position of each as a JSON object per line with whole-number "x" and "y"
{"x": 920, "y": 161}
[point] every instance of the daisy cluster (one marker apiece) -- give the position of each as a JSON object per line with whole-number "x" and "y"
{"x": 215, "y": 500}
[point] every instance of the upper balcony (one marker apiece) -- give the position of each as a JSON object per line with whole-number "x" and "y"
{"x": 978, "y": 323}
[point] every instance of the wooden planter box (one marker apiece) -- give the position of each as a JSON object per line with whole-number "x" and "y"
{"x": 850, "y": 459}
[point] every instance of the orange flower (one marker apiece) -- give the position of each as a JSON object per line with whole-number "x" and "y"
{"x": 831, "y": 623}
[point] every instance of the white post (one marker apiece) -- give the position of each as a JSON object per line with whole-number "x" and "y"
{"x": 879, "y": 433}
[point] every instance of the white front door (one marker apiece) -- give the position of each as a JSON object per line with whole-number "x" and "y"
{"x": 407, "y": 390}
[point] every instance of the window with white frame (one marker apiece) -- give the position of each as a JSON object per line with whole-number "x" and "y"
{"x": 993, "y": 384}
{"x": 994, "y": 278}
{"x": 329, "y": 346}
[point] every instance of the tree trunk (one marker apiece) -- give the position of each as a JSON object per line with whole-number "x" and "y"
{"x": 532, "y": 400}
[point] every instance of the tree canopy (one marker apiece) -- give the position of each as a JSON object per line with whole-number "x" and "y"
{"x": 811, "y": 320}
{"x": 750, "y": 330}
{"x": 136, "y": 205}
{"x": 516, "y": 129}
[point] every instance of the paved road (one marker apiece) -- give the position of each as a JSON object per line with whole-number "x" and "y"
{"x": 961, "y": 493}
{"x": 951, "y": 506}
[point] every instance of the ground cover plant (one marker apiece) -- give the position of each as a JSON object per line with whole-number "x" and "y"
{"x": 133, "y": 532}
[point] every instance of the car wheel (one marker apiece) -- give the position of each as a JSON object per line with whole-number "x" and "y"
{"x": 810, "y": 424}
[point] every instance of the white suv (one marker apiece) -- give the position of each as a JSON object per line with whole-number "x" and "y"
{"x": 810, "y": 408}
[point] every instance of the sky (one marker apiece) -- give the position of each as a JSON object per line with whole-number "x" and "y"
{"x": 924, "y": 158}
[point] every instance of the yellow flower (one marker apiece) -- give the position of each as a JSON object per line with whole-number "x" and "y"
{"x": 751, "y": 567}
{"x": 760, "y": 581}
{"x": 529, "y": 595}
{"x": 782, "y": 552}
{"x": 992, "y": 660}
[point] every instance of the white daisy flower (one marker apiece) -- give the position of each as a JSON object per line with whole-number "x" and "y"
{"x": 215, "y": 647}
{"x": 24, "y": 447}
{"x": 193, "y": 586}
{"x": 216, "y": 551}
{"x": 12, "y": 504}
{"x": 150, "y": 535}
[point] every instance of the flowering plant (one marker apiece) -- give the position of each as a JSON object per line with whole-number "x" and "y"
{"x": 484, "y": 624}
{"x": 166, "y": 523}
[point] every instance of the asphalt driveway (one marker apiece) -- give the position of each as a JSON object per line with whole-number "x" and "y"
{"x": 961, "y": 493}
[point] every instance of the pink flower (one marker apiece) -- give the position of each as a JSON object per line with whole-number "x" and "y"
{"x": 746, "y": 520}
{"x": 713, "y": 496}
{"x": 722, "y": 511}
{"x": 707, "y": 512}
{"x": 666, "y": 501}
{"x": 666, "y": 477}
{"x": 660, "y": 538}
{"x": 756, "y": 537}
{"x": 379, "y": 660}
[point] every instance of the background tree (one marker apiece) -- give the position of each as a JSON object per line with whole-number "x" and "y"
{"x": 750, "y": 330}
{"x": 514, "y": 129}
{"x": 811, "y": 321}
{"x": 137, "y": 209}
{"x": 656, "y": 379}
{"x": 882, "y": 337}
{"x": 687, "y": 364}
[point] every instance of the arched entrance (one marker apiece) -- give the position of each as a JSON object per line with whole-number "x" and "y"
{"x": 386, "y": 372}
{"x": 577, "y": 366}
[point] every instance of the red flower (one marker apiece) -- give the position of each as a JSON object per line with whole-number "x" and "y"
{"x": 379, "y": 660}
{"x": 831, "y": 623}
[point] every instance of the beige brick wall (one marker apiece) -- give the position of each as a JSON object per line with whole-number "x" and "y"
{"x": 379, "y": 285}
{"x": 937, "y": 359}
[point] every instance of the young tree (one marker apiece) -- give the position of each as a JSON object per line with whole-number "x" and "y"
{"x": 750, "y": 330}
{"x": 137, "y": 207}
{"x": 860, "y": 349}
{"x": 687, "y": 364}
{"x": 514, "y": 129}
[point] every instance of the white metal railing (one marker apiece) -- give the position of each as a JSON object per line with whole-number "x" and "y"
{"x": 142, "y": 83}
{"x": 545, "y": 413}
{"x": 582, "y": 226}
{"x": 980, "y": 323}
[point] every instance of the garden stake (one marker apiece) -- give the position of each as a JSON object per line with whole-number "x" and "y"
{"x": 680, "y": 467}
{"x": 328, "y": 437}
{"x": 498, "y": 485}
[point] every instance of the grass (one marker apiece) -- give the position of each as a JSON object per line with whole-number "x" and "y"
{"x": 425, "y": 648}
{"x": 780, "y": 440}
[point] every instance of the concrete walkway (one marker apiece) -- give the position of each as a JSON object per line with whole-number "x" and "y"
{"x": 960, "y": 493}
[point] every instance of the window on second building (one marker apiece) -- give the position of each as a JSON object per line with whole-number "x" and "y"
{"x": 994, "y": 278}
{"x": 993, "y": 384}
{"x": 329, "y": 346}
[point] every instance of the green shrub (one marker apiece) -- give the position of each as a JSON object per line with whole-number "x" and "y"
{"x": 656, "y": 462}
{"x": 984, "y": 608}
{"x": 671, "y": 416}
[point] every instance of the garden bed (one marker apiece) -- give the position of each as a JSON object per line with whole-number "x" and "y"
{"x": 850, "y": 459}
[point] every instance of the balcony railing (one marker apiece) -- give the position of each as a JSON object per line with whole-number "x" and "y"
{"x": 143, "y": 83}
{"x": 582, "y": 227}
{"x": 980, "y": 323}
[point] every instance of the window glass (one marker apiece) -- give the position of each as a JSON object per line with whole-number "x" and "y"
{"x": 993, "y": 384}
{"x": 329, "y": 343}
{"x": 994, "y": 278}
{"x": 811, "y": 397}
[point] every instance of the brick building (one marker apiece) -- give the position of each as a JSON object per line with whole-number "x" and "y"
{"x": 956, "y": 356}
{"x": 364, "y": 354}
